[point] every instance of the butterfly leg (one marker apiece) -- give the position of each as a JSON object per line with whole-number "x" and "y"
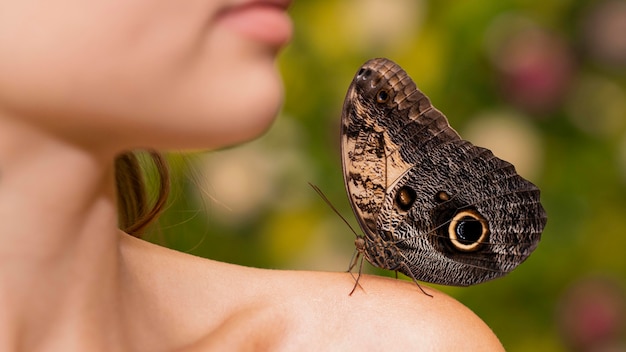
{"x": 413, "y": 278}
{"x": 353, "y": 261}
{"x": 356, "y": 280}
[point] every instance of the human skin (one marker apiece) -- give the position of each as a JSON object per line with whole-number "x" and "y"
{"x": 81, "y": 82}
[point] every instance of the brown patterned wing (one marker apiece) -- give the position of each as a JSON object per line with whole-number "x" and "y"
{"x": 432, "y": 205}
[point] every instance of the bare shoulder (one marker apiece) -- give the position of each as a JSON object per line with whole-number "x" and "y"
{"x": 215, "y": 305}
{"x": 300, "y": 311}
{"x": 385, "y": 314}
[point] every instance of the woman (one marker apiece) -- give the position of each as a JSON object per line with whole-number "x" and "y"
{"x": 83, "y": 82}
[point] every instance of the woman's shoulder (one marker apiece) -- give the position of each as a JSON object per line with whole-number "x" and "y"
{"x": 235, "y": 307}
{"x": 382, "y": 313}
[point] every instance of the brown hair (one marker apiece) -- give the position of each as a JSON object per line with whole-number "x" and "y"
{"x": 135, "y": 212}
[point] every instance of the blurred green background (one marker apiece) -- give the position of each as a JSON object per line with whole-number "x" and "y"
{"x": 541, "y": 83}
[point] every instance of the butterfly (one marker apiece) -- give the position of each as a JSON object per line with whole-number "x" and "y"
{"x": 431, "y": 205}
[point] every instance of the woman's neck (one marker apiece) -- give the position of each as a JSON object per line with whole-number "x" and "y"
{"x": 59, "y": 252}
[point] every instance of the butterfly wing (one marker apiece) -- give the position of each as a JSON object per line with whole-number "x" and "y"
{"x": 432, "y": 205}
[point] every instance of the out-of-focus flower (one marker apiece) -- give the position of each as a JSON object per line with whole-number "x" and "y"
{"x": 381, "y": 25}
{"x": 592, "y": 316}
{"x": 604, "y": 33}
{"x": 239, "y": 183}
{"x": 511, "y": 137}
{"x": 534, "y": 66}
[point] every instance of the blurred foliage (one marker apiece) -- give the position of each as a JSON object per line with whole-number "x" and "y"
{"x": 553, "y": 71}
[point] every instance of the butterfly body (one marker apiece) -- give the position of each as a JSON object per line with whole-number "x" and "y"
{"x": 431, "y": 205}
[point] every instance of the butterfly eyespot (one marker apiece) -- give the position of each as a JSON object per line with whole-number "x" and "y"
{"x": 405, "y": 198}
{"x": 441, "y": 197}
{"x": 468, "y": 230}
{"x": 382, "y": 96}
{"x": 364, "y": 72}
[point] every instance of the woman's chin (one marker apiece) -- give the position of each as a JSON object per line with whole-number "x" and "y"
{"x": 242, "y": 109}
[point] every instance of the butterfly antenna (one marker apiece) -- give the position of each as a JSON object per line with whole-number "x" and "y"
{"x": 323, "y": 196}
{"x": 359, "y": 246}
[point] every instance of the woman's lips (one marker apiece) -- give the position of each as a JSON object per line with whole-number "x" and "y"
{"x": 264, "y": 21}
